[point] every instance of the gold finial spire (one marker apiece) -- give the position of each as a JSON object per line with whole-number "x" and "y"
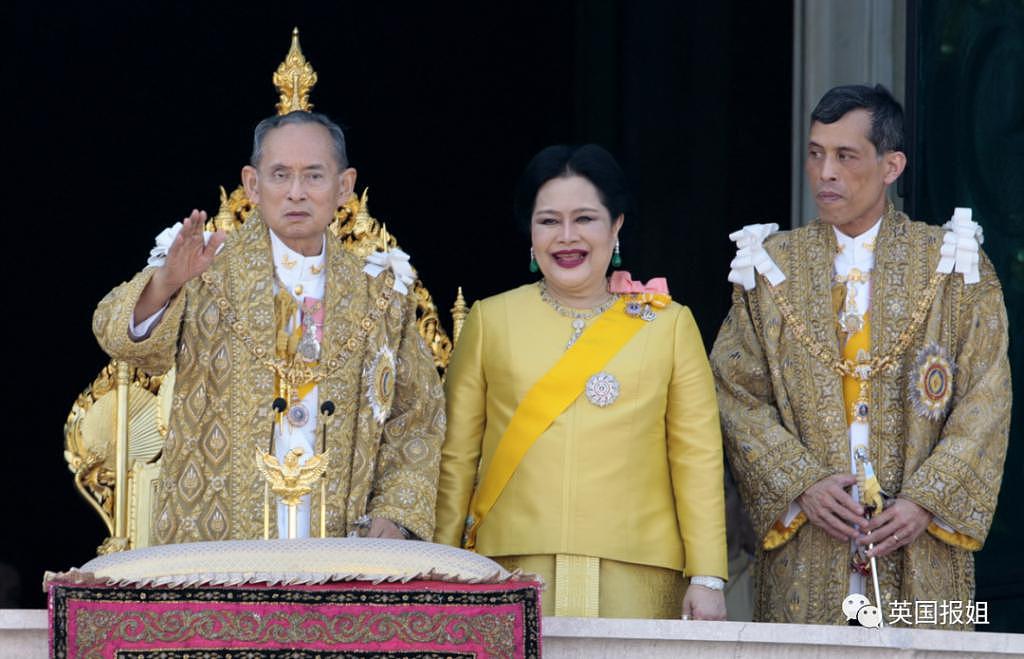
{"x": 294, "y": 79}
{"x": 459, "y": 313}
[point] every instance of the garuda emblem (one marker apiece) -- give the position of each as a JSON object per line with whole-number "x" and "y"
{"x": 292, "y": 481}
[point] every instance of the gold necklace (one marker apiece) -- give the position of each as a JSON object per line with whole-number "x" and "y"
{"x": 579, "y": 316}
{"x": 860, "y": 370}
{"x": 297, "y": 373}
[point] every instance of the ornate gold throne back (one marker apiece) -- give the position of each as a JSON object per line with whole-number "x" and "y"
{"x": 115, "y": 430}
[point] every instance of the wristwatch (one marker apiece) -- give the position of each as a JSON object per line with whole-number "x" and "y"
{"x": 714, "y": 583}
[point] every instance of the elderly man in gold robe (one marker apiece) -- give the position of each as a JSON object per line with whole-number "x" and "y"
{"x": 864, "y": 342}
{"x": 279, "y": 309}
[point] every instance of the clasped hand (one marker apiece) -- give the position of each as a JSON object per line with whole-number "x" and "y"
{"x": 830, "y": 507}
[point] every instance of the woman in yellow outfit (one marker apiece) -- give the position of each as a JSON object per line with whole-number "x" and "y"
{"x": 583, "y": 438}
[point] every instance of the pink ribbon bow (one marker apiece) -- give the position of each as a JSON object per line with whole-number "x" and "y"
{"x": 654, "y": 292}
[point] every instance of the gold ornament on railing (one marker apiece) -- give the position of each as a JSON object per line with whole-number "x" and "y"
{"x": 291, "y": 481}
{"x": 294, "y": 79}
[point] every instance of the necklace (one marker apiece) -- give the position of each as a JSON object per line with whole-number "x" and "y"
{"x": 579, "y": 316}
{"x": 298, "y": 372}
{"x": 865, "y": 367}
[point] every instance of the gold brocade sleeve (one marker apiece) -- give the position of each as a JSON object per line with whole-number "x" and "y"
{"x": 769, "y": 462}
{"x": 959, "y": 481}
{"x": 405, "y": 483}
{"x": 695, "y": 454}
{"x": 154, "y": 354}
{"x": 466, "y": 393}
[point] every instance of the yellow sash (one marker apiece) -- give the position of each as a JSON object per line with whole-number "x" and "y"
{"x": 854, "y": 344}
{"x": 546, "y": 400}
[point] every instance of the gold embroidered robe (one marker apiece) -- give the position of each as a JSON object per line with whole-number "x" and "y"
{"x": 784, "y": 421}
{"x": 209, "y": 487}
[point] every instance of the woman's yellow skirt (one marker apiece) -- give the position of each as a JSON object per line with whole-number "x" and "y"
{"x": 586, "y": 586}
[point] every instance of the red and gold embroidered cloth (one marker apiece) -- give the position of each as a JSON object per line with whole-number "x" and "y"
{"x": 340, "y": 619}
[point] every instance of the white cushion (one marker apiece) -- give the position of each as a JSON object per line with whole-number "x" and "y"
{"x": 298, "y": 561}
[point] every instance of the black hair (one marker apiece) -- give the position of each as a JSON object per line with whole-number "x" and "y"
{"x": 886, "y": 114}
{"x": 590, "y": 161}
{"x": 299, "y": 117}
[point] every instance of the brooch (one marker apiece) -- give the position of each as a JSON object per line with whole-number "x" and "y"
{"x": 641, "y": 299}
{"x": 381, "y": 383}
{"x": 602, "y": 389}
{"x": 932, "y": 387}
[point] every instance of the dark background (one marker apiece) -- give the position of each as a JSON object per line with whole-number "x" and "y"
{"x": 965, "y": 129}
{"x": 128, "y": 115}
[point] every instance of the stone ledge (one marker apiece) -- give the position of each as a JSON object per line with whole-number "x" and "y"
{"x": 652, "y": 639}
{"x": 24, "y": 634}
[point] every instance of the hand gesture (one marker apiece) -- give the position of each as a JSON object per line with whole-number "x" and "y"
{"x": 830, "y": 507}
{"x": 188, "y": 256}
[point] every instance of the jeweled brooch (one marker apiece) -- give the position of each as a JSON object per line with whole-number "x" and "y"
{"x": 381, "y": 383}
{"x": 932, "y": 387}
{"x": 602, "y": 389}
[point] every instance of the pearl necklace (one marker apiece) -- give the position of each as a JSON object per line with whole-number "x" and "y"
{"x": 579, "y": 316}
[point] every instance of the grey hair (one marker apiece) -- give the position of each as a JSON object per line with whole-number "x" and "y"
{"x": 299, "y": 117}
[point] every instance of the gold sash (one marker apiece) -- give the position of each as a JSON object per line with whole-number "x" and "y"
{"x": 546, "y": 400}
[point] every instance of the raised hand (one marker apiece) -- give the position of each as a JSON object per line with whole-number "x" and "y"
{"x": 830, "y": 507}
{"x": 187, "y": 257}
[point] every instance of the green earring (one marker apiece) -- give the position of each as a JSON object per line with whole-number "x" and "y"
{"x": 534, "y": 268}
{"x": 616, "y": 257}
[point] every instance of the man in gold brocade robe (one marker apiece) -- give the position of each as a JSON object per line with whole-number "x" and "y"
{"x": 864, "y": 339}
{"x": 279, "y": 308}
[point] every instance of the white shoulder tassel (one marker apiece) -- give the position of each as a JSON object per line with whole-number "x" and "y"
{"x": 751, "y": 256}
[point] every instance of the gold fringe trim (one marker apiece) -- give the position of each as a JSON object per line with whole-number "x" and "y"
{"x": 779, "y": 535}
{"x": 954, "y": 538}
